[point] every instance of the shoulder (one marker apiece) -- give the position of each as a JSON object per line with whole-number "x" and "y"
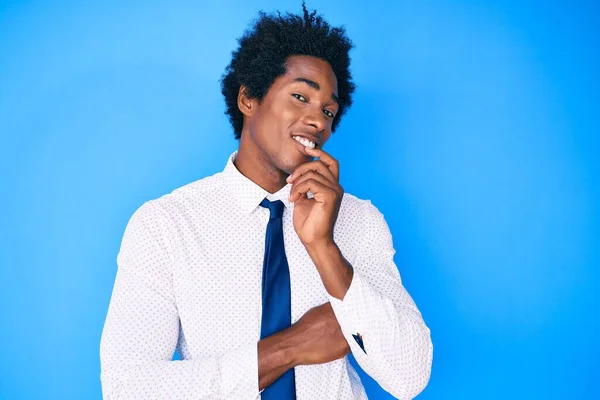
{"x": 355, "y": 207}
{"x": 360, "y": 216}
{"x": 190, "y": 195}
{"x": 166, "y": 209}
{"x": 360, "y": 228}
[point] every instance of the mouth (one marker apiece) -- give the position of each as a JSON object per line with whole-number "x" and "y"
{"x": 306, "y": 141}
{"x": 302, "y": 148}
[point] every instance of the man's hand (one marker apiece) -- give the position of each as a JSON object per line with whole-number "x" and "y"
{"x": 315, "y": 218}
{"x": 319, "y": 337}
{"x": 316, "y": 338}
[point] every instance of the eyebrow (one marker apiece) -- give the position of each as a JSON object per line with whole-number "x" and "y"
{"x": 316, "y": 86}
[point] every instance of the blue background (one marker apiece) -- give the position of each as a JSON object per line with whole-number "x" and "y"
{"x": 474, "y": 130}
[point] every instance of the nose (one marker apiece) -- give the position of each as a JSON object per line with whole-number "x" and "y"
{"x": 316, "y": 118}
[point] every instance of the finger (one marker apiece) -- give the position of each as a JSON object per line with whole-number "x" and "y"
{"x": 317, "y": 177}
{"x": 310, "y": 175}
{"x": 318, "y": 166}
{"x": 321, "y": 192}
{"x": 328, "y": 160}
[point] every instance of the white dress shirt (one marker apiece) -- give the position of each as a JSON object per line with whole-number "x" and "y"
{"x": 189, "y": 278}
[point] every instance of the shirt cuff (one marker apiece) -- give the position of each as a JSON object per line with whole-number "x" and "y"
{"x": 239, "y": 369}
{"x": 350, "y": 312}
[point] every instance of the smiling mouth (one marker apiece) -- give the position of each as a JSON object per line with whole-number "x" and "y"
{"x": 305, "y": 142}
{"x": 302, "y": 149}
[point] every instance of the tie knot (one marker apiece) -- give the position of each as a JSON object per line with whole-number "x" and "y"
{"x": 275, "y": 207}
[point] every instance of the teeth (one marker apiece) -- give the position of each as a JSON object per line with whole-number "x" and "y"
{"x": 305, "y": 142}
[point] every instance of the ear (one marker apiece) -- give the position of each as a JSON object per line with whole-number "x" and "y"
{"x": 246, "y": 105}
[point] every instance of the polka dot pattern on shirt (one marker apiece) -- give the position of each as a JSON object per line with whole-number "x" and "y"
{"x": 189, "y": 278}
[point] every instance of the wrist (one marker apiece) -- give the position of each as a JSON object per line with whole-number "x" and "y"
{"x": 290, "y": 346}
{"x": 276, "y": 355}
{"x": 335, "y": 271}
{"x": 283, "y": 347}
{"x": 321, "y": 248}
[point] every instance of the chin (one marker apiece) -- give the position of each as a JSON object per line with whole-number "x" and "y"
{"x": 288, "y": 164}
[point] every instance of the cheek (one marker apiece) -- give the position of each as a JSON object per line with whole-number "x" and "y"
{"x": 274, "y": 119}
{"x": 281, "y": 117}
{"x": 283, "y": 109}
{"x": 292, "y": 113}
{"x": 262, "y": 121}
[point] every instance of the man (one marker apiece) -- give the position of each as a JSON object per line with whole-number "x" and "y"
{"x": 266, "y": 275}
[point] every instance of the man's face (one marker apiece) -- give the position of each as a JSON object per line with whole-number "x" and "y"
{"x": 300, "y": 103}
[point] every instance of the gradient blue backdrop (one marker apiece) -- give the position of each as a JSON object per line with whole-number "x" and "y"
{"x": 474, "y": 130}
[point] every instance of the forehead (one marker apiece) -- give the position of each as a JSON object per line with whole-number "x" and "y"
{"x": 313, "y": 68}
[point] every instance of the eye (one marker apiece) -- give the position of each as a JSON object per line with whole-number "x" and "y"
{"x": 328, "y": 113}
{"x": 299, "y": 97}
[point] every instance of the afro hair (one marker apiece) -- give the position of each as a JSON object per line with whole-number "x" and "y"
{"x": 263, "y": 51}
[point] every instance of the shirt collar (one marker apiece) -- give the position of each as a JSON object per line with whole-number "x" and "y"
{"x": 247, "y": 193}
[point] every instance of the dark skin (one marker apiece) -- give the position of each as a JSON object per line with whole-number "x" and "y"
{"x": 302, "y": 101}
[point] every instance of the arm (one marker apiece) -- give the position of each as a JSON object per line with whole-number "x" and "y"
{"x": 142, "y": 328}
{"x": 316, "y": 338}
{"x": 377, "y": 316}
{"x": 276, "y": 354}
{"x": 368, "y": 299}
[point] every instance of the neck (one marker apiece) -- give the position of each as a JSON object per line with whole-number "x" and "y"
{"x": 256, "y": 166}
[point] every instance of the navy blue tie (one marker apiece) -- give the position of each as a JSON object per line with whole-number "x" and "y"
{"x": 276, "y": 297}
